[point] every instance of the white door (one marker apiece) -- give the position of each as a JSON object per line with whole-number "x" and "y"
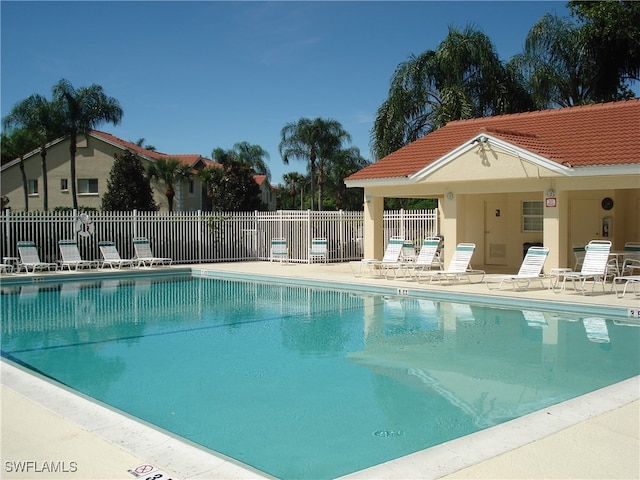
{"x": 495, "y": 233}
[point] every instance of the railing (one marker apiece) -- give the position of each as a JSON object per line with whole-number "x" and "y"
{"x": 203, "y": 237}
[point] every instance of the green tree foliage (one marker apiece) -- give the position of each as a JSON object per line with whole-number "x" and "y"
{"x": 556, "y": 68}
{"x": 127, "y": 187}
{"x": 313, "y": 141}
{"x": 169, "y": 172}
{"x": 344, "y": 163}
{"x": 80, "y": 111}
{"x": 231, "y": 187}
{"x": 611, "y": 36}
{"x": 462, "y": 78}
{"x": 42, "y": 119}
{"x": 16, "y": 145}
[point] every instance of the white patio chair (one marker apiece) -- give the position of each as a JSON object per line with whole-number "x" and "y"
{"x": 279, "y": 250}
{"x": 391, "y": 256}
{"x": 425, "y": 260}
{"x": 460, "y": 266}
{"x": 318, "y": 249}
{"x": 71, "y": 256}
{"x": 30, "y": 259}
{"x": 111, "y": 256}
{"x": 594, "y": 267}
{"x": 145, "y": 256}
{"x": 578, "y": 253}
{"x": 530, "y": 270}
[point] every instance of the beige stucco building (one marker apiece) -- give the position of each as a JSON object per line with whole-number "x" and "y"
{"x": 557, "y": 177}
{"x": 94, "y": 159}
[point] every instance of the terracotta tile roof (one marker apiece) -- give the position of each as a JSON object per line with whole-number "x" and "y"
{"x": 189, "y": 158}
{"x": 590, "y": 135}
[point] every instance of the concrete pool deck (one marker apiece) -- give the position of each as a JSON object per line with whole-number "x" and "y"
{"x": 593, "y": 436}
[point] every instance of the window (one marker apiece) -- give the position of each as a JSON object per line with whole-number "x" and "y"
{"x": 192, "y": 187}
{"x": 532, "y": 216}
{"x": 64, "y": 184}
{"x": 33, "y": 187}
{"x": 87, "y": 186}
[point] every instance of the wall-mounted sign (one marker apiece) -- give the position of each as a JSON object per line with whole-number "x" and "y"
{"x": 551, "y": 202}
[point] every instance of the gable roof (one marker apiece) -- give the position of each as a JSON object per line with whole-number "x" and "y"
{"x": 591, "y": 135}
{"x": 191, "y": 159}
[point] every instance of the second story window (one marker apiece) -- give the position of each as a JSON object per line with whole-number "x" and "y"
{"x": 87, "y": 186}
{"x": 64, "y": 184}
{"x": 33, "y": 187}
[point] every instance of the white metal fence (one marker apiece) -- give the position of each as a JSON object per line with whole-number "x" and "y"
{"x": 197, "y": 237}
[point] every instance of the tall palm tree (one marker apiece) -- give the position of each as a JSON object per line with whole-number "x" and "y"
{"x": 294, "y": 181}
{"x": 558, "y": 70}
{"x": 41, "y": 118}
{"x": 312, "y": 140}
{"x": 17, "y": 145}
{"x": 169, "y": 171}
{"x": 462, "y": 78}
{"x": 343, "y": 164}
{"x": 81, "y": 110}
{"x": 252, "y": 156}
{"x": 211, "y": 178}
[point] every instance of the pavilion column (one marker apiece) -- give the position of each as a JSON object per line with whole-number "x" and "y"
{"x": 556, "y": 230}
{"x": 373, "y": 227}
{"x": 449, "y": 225}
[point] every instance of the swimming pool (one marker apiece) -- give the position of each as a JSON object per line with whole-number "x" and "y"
{"x": 302, "y": 382}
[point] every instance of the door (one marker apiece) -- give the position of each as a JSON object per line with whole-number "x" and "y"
{"x": 495, "y": 233}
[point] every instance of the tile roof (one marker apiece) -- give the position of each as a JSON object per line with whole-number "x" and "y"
{"x": 590, "y": 135}
{"x": 188, "y": 158}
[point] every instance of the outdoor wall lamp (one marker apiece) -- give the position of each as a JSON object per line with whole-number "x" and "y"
{"x": 450, "y": 195}
{"x": 551, "y": 193}
{"x": 367, "y": 198}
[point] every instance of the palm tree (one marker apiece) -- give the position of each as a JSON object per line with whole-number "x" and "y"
{"x": 557, "y": 68}
{"x": 294, "y": 181}
{"x": 81, "y": 110}
{"x": 140, "y": 143}
{"x": 252, "y": 156}
{"x": 462, "y": 78}
{"x": 343, "y": 164}
{"x": 169, "y": 171}
{"x": 211, "y": 177}
{"x": 312, "y": 140}
{"x": 40, "y": 117}
{"x": 16, "y": 145}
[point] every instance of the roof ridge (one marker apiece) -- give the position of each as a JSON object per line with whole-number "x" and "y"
{"x": 551, "y": 111}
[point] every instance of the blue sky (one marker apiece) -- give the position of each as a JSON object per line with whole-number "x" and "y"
{"x": 193, "y": 76}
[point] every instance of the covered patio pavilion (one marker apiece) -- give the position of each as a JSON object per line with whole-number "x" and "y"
{"x": 555, "y": 177}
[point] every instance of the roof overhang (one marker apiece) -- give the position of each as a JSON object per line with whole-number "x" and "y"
{"x": 494, "y": 144}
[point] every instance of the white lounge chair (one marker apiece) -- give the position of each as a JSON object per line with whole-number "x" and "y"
{"x": 530, "y": 270}
{"x": 594, "y": 267}
{"x": 460, "y": 266}
{"x": 71, "y": 256}
{"x": 426, "y": 259}
{"x": 318, "y": 250}
{"x": 279, "y": 249}
{"x": 145, "y": 256}
{"x": 30, "y": 259}
{"x": 578, "y": 253}
{"x": 391, "y": 256}
{"x": 111, "y": 256}
{"x": 625, "y": 281}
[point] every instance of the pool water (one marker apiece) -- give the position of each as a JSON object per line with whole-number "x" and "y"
{"x": 304, "y": 382}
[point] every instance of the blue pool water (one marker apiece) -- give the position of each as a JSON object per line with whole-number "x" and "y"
{"x": 303, "y": 382}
